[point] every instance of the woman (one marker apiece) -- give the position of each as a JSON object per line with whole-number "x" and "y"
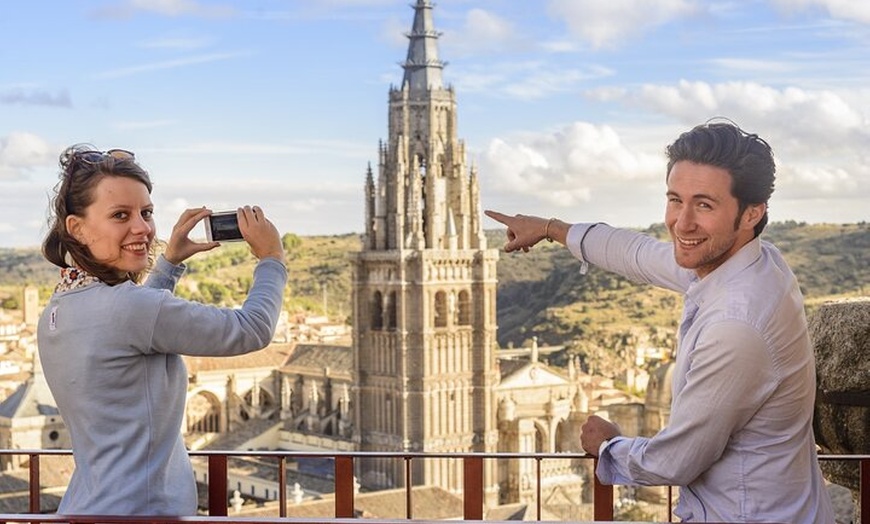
{"x": 111, "y": 349}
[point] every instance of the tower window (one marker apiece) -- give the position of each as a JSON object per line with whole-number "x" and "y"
{"x": 440, "y": 309}
{"x": 392, "y": 316}
{"x": 463, "y": 316}
{"x": 377, "y": 311}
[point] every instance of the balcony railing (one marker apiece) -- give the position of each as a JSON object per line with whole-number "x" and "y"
{"x": 473, "y": 491}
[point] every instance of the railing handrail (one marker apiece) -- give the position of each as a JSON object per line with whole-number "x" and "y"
{"x": 331, "y": 454}
{"x": 387, "y": 454}
{"x": 344, "y": 485}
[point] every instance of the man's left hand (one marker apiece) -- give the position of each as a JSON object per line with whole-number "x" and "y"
{"x": 595, "y": 431}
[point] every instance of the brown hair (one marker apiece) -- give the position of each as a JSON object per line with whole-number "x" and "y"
{"x": 82, "y": 168}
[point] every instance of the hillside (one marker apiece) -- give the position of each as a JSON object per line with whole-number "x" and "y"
{"x": 540, "y": 293}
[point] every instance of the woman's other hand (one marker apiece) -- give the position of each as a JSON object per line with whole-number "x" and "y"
{"x": 180, "y": 247}
{"x": 260, "y": 233}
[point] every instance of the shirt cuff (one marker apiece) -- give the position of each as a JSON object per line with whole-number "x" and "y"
{"x": 607, "y": 472}
{"x": 603, "y": 447}
{"x": 167, "y": 268}
{"x": 574, "y": 241}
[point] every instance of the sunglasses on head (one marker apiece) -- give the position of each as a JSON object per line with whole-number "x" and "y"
{"x": 95, "y": 157}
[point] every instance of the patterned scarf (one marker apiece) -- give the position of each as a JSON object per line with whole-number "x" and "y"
{"x": 74, "y": 278}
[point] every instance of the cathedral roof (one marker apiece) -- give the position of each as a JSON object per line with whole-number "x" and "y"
{"x": 272, "y": 356}
{"x": 316, "y": 357}
{"x": 509, "y": 366}
{"x": 240, "y": 434}
{"x": 31, "y": 399}
{"x": 531, "y": 374}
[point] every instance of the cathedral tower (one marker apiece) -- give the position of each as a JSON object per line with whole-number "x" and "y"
{"x": 424, "y": 289}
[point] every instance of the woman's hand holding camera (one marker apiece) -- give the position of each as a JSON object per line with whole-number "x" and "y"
{"x": 260, "y": 233}
{"x": 180, "y": 247}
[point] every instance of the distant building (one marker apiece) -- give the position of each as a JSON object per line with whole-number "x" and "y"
{"x": 29, "y": 419}
{"x": 30, "y": 305}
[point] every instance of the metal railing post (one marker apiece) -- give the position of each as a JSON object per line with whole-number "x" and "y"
{"x": 603, "y": 501}
{"x": 864, "y": 493}
{"x": 538, "y": 492}
{"x": 473, "y": 488}
{"x": 409, "y": 484}
{"x": 282, "y": 486}
{"x": 34, "y": 483}
{"x": 344, "y": 487}
{"x": 217, "y": 485}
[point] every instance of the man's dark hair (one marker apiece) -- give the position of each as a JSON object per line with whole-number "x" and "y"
{"x": 746, "y": 157}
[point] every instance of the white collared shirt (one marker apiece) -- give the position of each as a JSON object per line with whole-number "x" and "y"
{"x": 739, "y": 441}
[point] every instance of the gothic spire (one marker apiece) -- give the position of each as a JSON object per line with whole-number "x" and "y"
{"x": 422, "y": 66}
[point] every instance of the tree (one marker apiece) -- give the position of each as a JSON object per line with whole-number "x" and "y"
{"x": 291, "y": 243}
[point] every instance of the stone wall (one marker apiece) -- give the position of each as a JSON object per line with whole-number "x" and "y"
{"x": 840, "y": 332}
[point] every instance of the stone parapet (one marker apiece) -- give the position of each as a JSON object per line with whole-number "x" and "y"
{"x": 840, "y": 332}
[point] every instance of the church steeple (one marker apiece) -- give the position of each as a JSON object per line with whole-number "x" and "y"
{"x": 426, "y": 196}
{"x": 424, "y": 287}
{"x": 422, "y": 66}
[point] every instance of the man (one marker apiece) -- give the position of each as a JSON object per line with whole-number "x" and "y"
{"x": 739, "y": 441}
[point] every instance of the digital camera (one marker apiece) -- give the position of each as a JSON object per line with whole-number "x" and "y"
{"x": 223, "y": 226}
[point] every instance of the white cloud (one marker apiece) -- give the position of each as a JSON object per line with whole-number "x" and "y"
{"x": 22, "y": 151}
{"x": 823, "y": 179}
{"x": 568, "y": 167}
{"x": 605, "y": 23}
{"x": 170, "y": 8}
{"x": 752, "y": 66}
{"x": 169, "y": 64}
{"x": 482, "y": 32}
{"x": 527, "y": 80}
{"x": 818, "y": 120}
{"x": 36, "y": 97}
{"x": 819, "y": 137}
{"x": 856, "y": 10}
{"x": 820, "y": 140}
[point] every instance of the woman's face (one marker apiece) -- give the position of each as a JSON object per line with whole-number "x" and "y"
{"x": 118, "y": 226}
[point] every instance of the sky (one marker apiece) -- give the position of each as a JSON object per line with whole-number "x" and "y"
{"x": 565, "y": 106}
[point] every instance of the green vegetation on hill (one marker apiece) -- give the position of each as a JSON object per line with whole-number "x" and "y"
{"x": 319, "y": 274}
{"x": 540, "y": 294}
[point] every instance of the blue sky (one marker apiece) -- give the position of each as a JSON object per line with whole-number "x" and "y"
{"x": 565, "y": 105}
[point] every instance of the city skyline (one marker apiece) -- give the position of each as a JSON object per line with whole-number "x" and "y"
{"x": 565, "y": 105}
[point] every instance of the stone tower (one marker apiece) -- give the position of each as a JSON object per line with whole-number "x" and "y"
{"x": 30, "y": 305}
{"x": 424, "y": 289}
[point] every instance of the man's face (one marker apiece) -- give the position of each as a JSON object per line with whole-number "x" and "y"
{"x": 701, "y": 217}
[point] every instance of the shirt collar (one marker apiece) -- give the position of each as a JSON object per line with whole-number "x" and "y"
{"x": 739, "y": 261}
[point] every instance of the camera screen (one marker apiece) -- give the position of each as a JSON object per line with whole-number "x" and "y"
{"x": 225, "y": 227}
